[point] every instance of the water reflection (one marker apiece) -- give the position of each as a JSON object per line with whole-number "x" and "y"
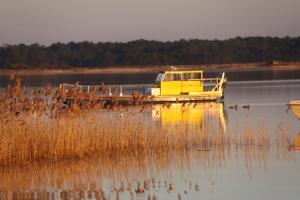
{"x": 296, "y": 110}
{"x": 191, "y": 114}
{"x": 295, "y": 145}
{"x": 160, "y": 176}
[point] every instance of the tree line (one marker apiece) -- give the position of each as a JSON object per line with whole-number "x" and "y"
{"x": 145, "y": 52}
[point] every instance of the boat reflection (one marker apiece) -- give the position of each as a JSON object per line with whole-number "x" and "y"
{"x": 198, "y": 114}
{"x": 295, "y": 106}
{"x": 295, "y": 146}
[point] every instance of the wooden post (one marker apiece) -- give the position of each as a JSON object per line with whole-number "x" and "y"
{"x": 109, "y": 91}
{"x": 121, "y": 90}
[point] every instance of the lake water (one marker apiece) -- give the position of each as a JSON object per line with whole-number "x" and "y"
{"x": 261, "y": 173}
{"x": 146, "y": 78}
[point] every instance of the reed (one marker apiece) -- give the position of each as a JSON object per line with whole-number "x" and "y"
{"x": 41, "y": 127}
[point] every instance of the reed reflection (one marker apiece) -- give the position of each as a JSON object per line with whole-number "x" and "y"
{"x": 150, "y": 175}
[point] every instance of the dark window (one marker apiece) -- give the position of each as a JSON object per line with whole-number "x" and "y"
{"x": 186, "y": 76}
{"x": 197, "y": 75}
{"x": 176, "y": 77}
{"x": 172, "y": 77}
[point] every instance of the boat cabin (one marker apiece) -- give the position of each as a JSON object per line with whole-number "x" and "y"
{"x": 180, "y": 82}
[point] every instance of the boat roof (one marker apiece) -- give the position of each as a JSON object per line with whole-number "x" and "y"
{"x": 182, "y": 71}
{"x": 294, "y": 102}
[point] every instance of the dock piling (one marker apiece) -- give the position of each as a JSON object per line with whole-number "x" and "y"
{"x": 121, "y": 90}
{"x": 109, "y": 91}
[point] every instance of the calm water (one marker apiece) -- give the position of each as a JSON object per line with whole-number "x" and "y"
{"x": 146, "y": 78}
{"x": 266, "y": 173}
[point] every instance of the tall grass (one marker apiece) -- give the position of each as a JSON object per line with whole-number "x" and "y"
{"x": 40, "y": 127}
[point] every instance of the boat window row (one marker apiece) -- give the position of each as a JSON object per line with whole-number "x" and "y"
{"x": 180, "y": 76}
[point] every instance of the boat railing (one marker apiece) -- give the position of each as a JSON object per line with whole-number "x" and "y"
{"x": 111, "y": 90}
{"x": 215, "y": 83}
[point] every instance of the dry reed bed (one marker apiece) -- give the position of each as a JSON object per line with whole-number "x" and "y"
{"x": 38, "y": 138}
{"x": 40, "y": 127}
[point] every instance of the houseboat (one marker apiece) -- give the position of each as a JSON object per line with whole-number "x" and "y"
{"x": 187, "y": 85}
{"x": 169, "y": 86}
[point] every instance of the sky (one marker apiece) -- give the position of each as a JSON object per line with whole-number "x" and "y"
{"x": 49, "y": 21}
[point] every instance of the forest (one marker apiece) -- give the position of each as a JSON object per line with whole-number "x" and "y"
{"x": 148, "y": 52}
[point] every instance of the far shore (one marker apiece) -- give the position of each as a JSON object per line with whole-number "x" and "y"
{"x": 148, "y": 69}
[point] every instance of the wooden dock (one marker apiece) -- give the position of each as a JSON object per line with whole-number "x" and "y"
{"x": 147, "y": 99}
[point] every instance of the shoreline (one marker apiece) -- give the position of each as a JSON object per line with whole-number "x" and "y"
{"x": 150, "y": 69}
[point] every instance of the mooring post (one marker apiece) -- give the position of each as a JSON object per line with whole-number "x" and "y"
{"x": 121, "y": 90}
{"x": 109, "y": 91}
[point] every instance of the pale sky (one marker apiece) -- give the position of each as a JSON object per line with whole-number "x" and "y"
{"x": 48, "y": 21}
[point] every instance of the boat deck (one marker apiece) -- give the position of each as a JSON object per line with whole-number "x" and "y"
{"x": 128, "y": 99}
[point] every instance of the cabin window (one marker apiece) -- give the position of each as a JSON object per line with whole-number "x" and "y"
{"x": 159, "y": 77}
{"x": 172, "y": 77}
{"x": 196, "y": 75}
{"x": 186, "y": 76}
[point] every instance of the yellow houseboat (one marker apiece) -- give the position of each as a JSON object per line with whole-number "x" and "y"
{"x": 169, "y": 86}
{"x": 187, "y": 85}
